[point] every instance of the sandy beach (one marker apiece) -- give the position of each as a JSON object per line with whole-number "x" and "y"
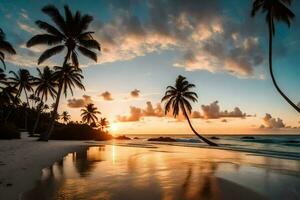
{"x": 133, "y": 171}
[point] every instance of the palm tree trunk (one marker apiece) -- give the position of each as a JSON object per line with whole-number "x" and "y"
{"x": 271, "y": 69}
{"x": 210, "y": 143}
{"x": 38, "y": 116}
{"x": 26, "y": 111}
{"x": 36, "y": 123}
{"x": 46, "y": 135}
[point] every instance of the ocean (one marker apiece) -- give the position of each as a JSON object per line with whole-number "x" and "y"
{"x": 282, "y": 146}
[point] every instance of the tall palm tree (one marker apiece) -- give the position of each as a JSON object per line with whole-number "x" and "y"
{"x": 65, "y": 116}
{"x": 5, "y": 47}
{"x": 103, "y": 124}
{"x": 276, "y": 10}
{"x": 67, "y": 77}
{"x": 178, "y": 98}
{"x": 45, "y": 85}
{"x": 68, "y": 33}
{"x": 89, "y": 114}
{"x": 22, "y": 80}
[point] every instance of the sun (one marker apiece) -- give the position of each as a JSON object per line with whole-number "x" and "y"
{"x": 114, "y": 127}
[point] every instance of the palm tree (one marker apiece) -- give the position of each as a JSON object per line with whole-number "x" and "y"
{"x": 69, "y": 32}
{"x": 5, "y": 47}
{"x": 7, "y": 97}
{"x": 45, "y": 85}
{"x": 103, "y": 124}
{"x": 67, "y": 77}
{"x": 276, "y": 10}
{"x": 89, "y": 114}
{"x": 178, "y": 98}
{"x": 65, "y": 116}
{"x": 22, "y": 80}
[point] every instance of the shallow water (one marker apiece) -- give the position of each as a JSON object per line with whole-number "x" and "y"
{"x": 167, "y": 172}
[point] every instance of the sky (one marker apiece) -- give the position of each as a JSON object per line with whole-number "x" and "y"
{"x": 145, "y": 45}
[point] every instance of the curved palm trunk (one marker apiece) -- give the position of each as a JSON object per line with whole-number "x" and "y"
{"x": 271, "y": 69}
{"x": 210, "y": 143}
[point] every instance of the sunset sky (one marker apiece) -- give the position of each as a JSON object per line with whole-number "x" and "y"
{"x": 147, "y": 44}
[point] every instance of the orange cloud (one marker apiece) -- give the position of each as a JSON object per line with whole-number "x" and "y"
{"x": 107, "y": 96}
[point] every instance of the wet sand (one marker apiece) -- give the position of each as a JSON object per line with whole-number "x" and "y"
{"x": 131, "y": 171}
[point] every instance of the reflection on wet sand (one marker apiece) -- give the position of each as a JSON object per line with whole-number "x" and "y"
{"x": 119, "y": 172}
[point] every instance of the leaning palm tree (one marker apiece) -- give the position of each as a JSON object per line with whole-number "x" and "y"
{"x": 178, "y": 98}
{"x": 70, "y": 33}
{"x": 276, "y": 10}
{"x": 5, "y": 47}
{"x": 22, "y": 80}
{"x": 45, "y": 86}
{"x": 65, "y": 116}
{"x": 89, "y": 114}
{"x": 66, "y": 77}
{"x": 103, "y": 124}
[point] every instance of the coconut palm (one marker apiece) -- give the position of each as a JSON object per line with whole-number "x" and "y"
{"x": 5, "y": 47}
{"x": 65, "y": 116}
{"x": 70, "y": 33}
{"x": 89, "y": 114}
{"x": 22, "y": 80}
{"x": 178, "y": 98}
{"x": 103, "y": 124}
{"x": 45, "y": 85}
{"x": 67, "y": 77}
{"x": 276, "y": 10}
{"x": 7, "y": 97}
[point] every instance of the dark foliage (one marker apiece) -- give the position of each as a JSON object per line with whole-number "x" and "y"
{"x": 73, "y": 131}
{"x": 9, "y": 131}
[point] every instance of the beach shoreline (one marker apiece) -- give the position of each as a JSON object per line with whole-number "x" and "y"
{"x": 22, "y": 160}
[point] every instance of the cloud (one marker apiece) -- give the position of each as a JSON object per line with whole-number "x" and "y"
{"x": 213, "y": 111}
{"x": 136, "y": 114}
{"x": 135, "y": 93}
{"x": 150, "y": 111}
{"x": 270, "y": 122}
{"x": 81, "y": 102}
{"x": 206, "y": 37}
{"x": 107, "y": 96}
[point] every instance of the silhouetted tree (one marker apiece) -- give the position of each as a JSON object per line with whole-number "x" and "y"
{"x": 23, "y": 81}
{"x": 178, "y": 98}
{"x": 276, "y": 10}
{"x": 5, "y": 47}
{"x": 45, "y": 85}
{"x": 65, "y": 116}
{"x": 103, "y": 123}
{"x": 89, "y": 114}
{"x": 70, "y": 33}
